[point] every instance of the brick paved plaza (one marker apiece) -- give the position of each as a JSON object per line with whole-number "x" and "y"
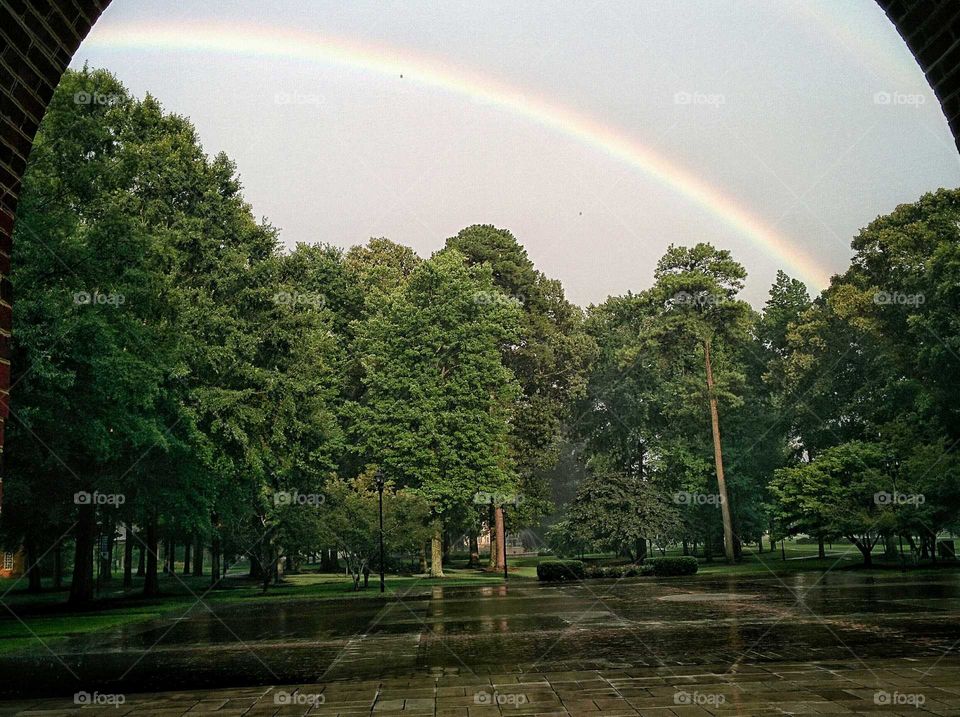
{"x": 808, "y": 644}
{"x": 876, "y": 687}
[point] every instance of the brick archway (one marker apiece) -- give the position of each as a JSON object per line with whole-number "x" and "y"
{"x": 39, "y": 37}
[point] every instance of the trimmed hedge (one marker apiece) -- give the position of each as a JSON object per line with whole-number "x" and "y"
{"x": 631, "y": 570}
{"x": 663, "y": 567}
{"x": 560, "y": 570}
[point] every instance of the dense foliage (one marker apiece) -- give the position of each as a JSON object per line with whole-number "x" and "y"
{"x": 180, "y": 379}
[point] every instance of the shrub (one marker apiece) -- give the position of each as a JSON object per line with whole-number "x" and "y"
{"x": 683, "y": 565}
{"x": 559, "y": 570}
{"x": 630, "y": 570}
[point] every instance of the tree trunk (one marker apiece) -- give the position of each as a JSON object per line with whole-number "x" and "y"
{"x": 686, "y": 548}
{"x": 718, "y": 457}
{"x": 866, "y": 551}
{"x": 256, "y": 567}
{"x": 58, "y": 565}
{"x": 707, "y": 547}
{"x": 198, "y": 558}
{"x": 186, "y": 557}
{"x": 141, "y": 564}
{"x": 215, "y": 560}
{"x": 34, "y": 581}
{"x": 81, "y": 586}
{"x": 889, "y": 546}
{"x": 128, "y": 558}
{"x": 821, "y": 549}
{"x": 641, "y": 545}
{"x": 474, "y": 552}
{"x": 106, "y": 559}
{"x": 436, "y": 552}
{"x": 172, "y": 556}
{"x": 501, "y": 537}
{"x": 151, "y": 581}
{"x": 492, "y": 531}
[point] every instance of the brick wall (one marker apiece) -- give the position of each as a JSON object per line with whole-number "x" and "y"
{"x": 931, "y": 29}
{"x": 37, "y": 40}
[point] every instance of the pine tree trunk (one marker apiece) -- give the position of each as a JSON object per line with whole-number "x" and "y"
{"x": 501, "y": 535}
{"x": 821, "y": 548}
{"x": 436, "y": 552}
{"x": 141, "y": 564}
{"x": 151, "y": 581}
{"x": 81, "y": 586}
{"x": 186, "y": 557}
{"x": 718, "y": 458}
{"x": 423, "y": 559}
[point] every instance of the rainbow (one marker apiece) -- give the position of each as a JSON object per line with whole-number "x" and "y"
{"x": 257, "y": 41}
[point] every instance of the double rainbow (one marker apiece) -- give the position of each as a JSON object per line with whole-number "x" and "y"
{"x": 258, "y": 41}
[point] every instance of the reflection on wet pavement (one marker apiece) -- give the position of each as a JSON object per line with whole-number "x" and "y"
{"x": 523, "y": 628}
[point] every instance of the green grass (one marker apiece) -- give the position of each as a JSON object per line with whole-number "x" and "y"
{"x": 32, "y": 633}
{"x": 48, "y": 618}
{"x": 45, "y": 619}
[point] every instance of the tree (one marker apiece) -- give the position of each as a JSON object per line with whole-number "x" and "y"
{"x": 437, "y": 401}
{"x": 698, "y": 287}
{"x": 841, "y": 493}
{"x": 350, "y": 520}
{"x": 621, "y": 512}
{"x": 549, "y": 356}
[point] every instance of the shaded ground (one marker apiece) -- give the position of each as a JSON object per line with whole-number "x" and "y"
{"x": 875, "y": 687}
{"x": 839, "y": 620}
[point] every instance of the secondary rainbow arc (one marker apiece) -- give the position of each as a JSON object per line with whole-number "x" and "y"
{"x": 259, "y": 41}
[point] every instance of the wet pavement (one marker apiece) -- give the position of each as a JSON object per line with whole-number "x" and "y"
{"x": 601, "y": 647}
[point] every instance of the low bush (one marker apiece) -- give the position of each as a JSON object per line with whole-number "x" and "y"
{"x": 630, "y": 570}
{"x": 560, "y": 570}
{"x": 682, "y": 565}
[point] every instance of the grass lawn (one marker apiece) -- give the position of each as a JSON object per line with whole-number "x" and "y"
{"x": 47, "y": 617}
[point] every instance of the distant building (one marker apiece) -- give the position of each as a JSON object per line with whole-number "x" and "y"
{"x": 13, "y": 564}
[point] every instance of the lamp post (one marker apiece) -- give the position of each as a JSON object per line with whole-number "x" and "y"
{"x": 380, "y": 481}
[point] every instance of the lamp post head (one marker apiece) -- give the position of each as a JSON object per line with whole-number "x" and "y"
{"x": 378, "y": 477}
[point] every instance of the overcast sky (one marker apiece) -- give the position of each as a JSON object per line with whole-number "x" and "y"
{"x": 811, "y": 117}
